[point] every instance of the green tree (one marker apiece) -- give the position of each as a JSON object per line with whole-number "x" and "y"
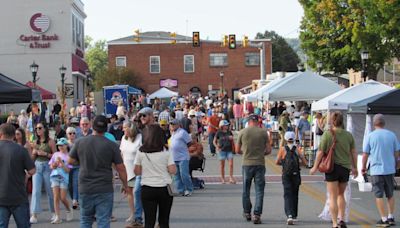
{"x": 336, "y": 31}
{"x": 284, "y": 58}
{"x": 96, "y": 56}
{"x": 113, "y": 76}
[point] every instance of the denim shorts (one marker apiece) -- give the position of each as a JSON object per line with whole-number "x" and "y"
{"x": 59, "y": 181}
{"x": 225, "y": 155}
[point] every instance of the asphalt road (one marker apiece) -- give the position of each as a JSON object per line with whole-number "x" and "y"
{"x": 219, "y": 205}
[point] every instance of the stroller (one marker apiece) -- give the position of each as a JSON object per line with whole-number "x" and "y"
{"x": 196, "y": 163}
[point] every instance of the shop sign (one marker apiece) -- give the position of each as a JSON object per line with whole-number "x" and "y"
{"x": 39, "y": 24}
{"x": 169, "y": 83}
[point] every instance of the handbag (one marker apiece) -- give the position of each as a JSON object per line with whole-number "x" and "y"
{"x": 172, "y": 191}
{"x": 326, "y": 164}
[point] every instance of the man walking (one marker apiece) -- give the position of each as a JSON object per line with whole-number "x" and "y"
{"x": 96, "y": 154}
{"x": 382, "y": 149}
{"x": 179, "y": 147}
{"x": 14, "y": 160}
{"x": 253, "y": 142}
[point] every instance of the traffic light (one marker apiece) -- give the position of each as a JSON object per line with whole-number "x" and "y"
{"x": 196, "y": 39}
{"x": 137, "y": 35}
{"x": 232, "y": 41}
{"x": 224, "y": 41}
{"x": 245, "y": 41}
{"x": 173, "y": 37}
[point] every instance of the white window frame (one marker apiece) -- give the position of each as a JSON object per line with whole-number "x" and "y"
{"x": 159, "y": 64}
{"x": 218, "y": 55}
{"x": 184, "y": 64}
{"x": 123, "y": 58}
{"x": 248, "y": 54}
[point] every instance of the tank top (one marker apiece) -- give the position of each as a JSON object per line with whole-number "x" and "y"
{"x": 46, "y": 148}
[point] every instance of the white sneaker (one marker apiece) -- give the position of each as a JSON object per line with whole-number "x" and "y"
{"x": 290, "y": 221}
{"x": 33, "y": 219}
{"x": 187, "y": 193}
{"x": 70, "y": 215}
{"x": 56, "y": 220}
{"x": 53, "y": 216}
{"x": 130, "y": 219}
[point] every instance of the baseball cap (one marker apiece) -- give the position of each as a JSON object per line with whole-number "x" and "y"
{"x": 100, "y": 124}
{"x": 290, "y": 136}
{"x": 146, "y": 111}
{"x": 253, "y": 117}
{"x": 62, "y": 141}
{"x": 223, "y": 123}
{"x": 74, "y": 120}
{"x": 163, "y": 122}
{"x": 174, "y": 122}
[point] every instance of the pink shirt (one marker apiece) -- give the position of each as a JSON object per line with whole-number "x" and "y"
{"x": 238, "y": 110}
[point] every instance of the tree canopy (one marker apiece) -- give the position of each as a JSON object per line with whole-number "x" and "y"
{"x": 114, "y": 76}
{"x": 284, "y": 58}
{"x": 96, "y": 55}
{"x": 336, "y": 31}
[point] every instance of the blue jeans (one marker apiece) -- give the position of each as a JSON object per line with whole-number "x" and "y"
{"x": 211, "y": 142}
{"x": 74, "y": 176}
{"x": 138, "y": 199}
{"x": 256, "y": 172}
{"x": 19, "y": 212}
{"x": 96, "y": 205}
{"x": 42, "y": 175}
{"x": 182, "y": 178}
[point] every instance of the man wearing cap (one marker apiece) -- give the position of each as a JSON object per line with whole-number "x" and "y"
{"x": 180, "y": 142}
{"x": 253, "y": 143}
{"x": 96, "y": 154}
{"x": 85, "y": 129}
{"x": 382, "y": 148}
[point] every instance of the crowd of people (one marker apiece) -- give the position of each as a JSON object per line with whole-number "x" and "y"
{"x": 154, "y": 146}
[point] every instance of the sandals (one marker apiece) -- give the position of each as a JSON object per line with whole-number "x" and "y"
{"x": 232, "y": 181}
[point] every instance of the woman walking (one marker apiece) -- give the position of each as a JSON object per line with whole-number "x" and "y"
{"x": 344, "y": 158}
{"x": 223, "y": 141}
{"x": 130, "y": 144}
{"x": 156, "y": 168}
{"x": 74, "y": 171}
{"x": 43, "y": 149}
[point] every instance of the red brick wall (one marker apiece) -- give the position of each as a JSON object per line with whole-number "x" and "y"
{"x": 236, "y": 73}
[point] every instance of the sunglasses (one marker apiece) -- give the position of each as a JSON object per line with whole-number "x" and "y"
{"x": 39, "y": 128}
{"x": 85, "y": 124}
{"x": 72, "y": 133}
{"x": 142, "y": 116}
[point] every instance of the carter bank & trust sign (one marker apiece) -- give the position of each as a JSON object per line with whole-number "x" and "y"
{"x": 39, "y": 23}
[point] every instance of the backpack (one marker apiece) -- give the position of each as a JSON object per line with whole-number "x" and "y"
{"x": 290, "y": 163}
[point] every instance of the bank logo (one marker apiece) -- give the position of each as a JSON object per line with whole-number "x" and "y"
{"x": 40, "y": 23}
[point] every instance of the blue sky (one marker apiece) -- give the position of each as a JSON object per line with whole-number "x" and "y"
{"x": 213, "y": 18}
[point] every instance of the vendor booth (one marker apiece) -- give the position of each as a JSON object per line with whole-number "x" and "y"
{"x": 12, "y": 92}
{"x": 163, "y": 93}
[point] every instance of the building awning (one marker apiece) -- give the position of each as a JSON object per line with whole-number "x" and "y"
{"x": 46, "y": 95}
{"x": 78, "y": 64}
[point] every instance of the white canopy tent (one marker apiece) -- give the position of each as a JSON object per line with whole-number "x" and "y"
{"x": 342, "y": 99}
{"x": 163, "y": 93}
{"x": 302, "y": 86}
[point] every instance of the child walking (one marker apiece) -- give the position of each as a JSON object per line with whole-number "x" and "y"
{"x": 59, "y": 179}
{"x": 290, "y": 159}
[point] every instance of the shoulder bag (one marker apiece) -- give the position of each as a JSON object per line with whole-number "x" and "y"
{"x": 326, "y": 164}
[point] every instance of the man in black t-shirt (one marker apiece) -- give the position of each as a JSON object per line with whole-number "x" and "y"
{"x": 14, "y": 160}
{"x": 96, "y": 154}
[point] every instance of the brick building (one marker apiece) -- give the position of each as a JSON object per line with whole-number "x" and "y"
{"x": 183, "y": 68}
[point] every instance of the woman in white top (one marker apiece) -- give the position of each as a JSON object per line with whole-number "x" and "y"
{"x": 130, "y": 144}
{"x": 156, "y": 168}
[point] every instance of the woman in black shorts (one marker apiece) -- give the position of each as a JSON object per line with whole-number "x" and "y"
{"x": 345, "y": 159}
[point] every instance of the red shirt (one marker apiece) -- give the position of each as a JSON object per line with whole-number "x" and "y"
{"x": 214, "y": 121}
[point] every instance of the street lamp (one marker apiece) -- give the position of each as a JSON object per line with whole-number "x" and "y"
{"x": 88, "y": 82}
{"x": 364, "y": 61}
{"x": 34, "y": 70}
{"x": 319, "y": 67}
{"x": 221, "y": 76}
{"x": 62, "y": 69}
